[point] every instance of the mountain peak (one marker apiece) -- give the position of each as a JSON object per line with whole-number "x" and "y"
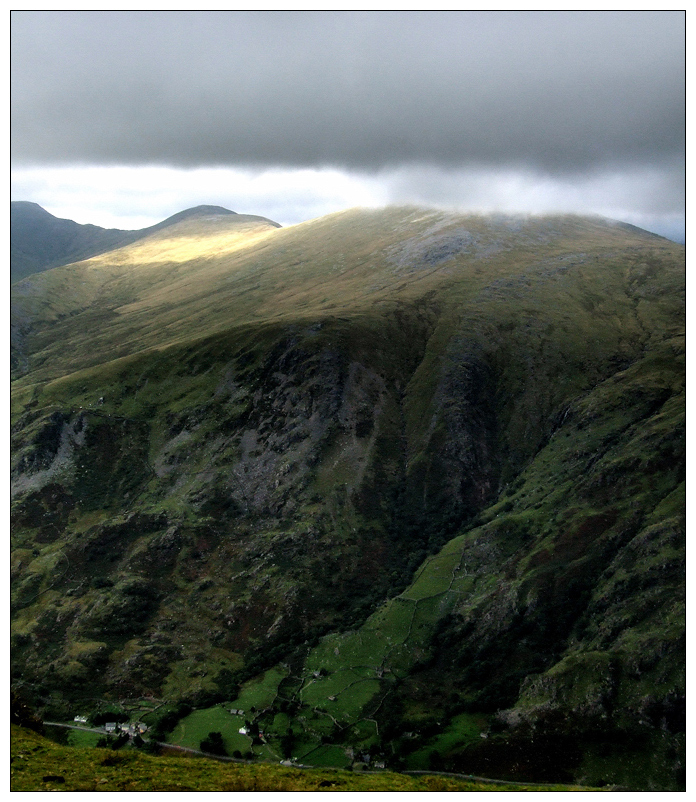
{"x": 196, "y": 211}
{"x": 29, "y": 208}
{"x": 40, "y": 240}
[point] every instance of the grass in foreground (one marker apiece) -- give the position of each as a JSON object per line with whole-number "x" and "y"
{"x": 38, "y": 764}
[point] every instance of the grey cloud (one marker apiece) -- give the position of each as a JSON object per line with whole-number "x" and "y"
{"x": 550, "y": 91}
{"x": 645, "y": 190}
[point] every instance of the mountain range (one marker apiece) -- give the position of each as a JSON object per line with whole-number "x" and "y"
{"x": 400, "y": 487}
{"x": 40, "y": 241}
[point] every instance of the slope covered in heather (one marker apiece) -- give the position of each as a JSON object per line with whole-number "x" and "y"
{"x": 416, "y": 476}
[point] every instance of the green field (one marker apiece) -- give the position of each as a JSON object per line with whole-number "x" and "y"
{"x": 190, "y": 731}
{"x": 80, "y": 738}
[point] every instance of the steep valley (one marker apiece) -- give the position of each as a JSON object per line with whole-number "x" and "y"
{"x": 405, "y": 487}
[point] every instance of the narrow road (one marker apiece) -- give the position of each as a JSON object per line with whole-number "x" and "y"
{"x": 99, "y": 730}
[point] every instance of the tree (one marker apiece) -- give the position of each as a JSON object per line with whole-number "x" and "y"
{"x": 151, "y": 747}
{"x": 287, "y": 742}
{"x": 120, "y": 741}
{"x": 213, "y": 744}
{"x": 22, "y": 714}
{"x": 435, "y": 761}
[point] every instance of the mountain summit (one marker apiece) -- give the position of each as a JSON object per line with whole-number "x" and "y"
{"x": 204, "y": 213}
{"x": 40, "y": 241}
{"x": 392, "y": 486}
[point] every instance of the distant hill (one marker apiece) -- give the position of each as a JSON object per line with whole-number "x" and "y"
{"x": 40, "y": 241}
{"x": 392, "y": 487}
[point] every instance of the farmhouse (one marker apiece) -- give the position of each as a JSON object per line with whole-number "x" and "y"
{"x": 135, "y": 728}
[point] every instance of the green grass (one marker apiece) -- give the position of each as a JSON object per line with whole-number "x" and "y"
{"x": 192, "y": 729}
{"x": 82, "y": 739}
{"x": 328, "y": 756}
{"x": 40, "y": 765}
{"x": 261, "y": 692}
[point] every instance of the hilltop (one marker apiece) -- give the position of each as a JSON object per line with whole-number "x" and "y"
{"x": 40, "y": 241}
{"x": 402, "y": 486}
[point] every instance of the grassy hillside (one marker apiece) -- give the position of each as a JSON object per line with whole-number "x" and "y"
{"x": 408, "y": 484}
{"x": 40, "y": 241}
{"x": 40, "y": 765}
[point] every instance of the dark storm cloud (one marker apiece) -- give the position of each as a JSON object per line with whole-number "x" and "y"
{"x": 550, "y": 91}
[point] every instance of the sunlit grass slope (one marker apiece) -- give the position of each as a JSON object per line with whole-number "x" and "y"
{"x": 203, "y": 276}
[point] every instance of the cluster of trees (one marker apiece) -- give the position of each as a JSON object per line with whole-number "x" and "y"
{"x": 213, "y": 744}
{"x": 111, "y": 742}
{"x": 102, "y": 716}
{"x": 169, "y": 720}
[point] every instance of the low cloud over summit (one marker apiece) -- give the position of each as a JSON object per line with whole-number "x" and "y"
{"x": 404, "y": 100}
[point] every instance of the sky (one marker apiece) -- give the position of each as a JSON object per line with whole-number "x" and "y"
{"x": 122, "y": 118}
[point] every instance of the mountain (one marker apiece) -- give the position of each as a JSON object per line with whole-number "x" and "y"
{"x": 401, "y": 486}
{"x": 40, "y": 241}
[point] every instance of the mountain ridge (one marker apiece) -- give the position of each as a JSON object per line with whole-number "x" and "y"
{"x": 392, "y": 269}
{"x": 41, "y": 241}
